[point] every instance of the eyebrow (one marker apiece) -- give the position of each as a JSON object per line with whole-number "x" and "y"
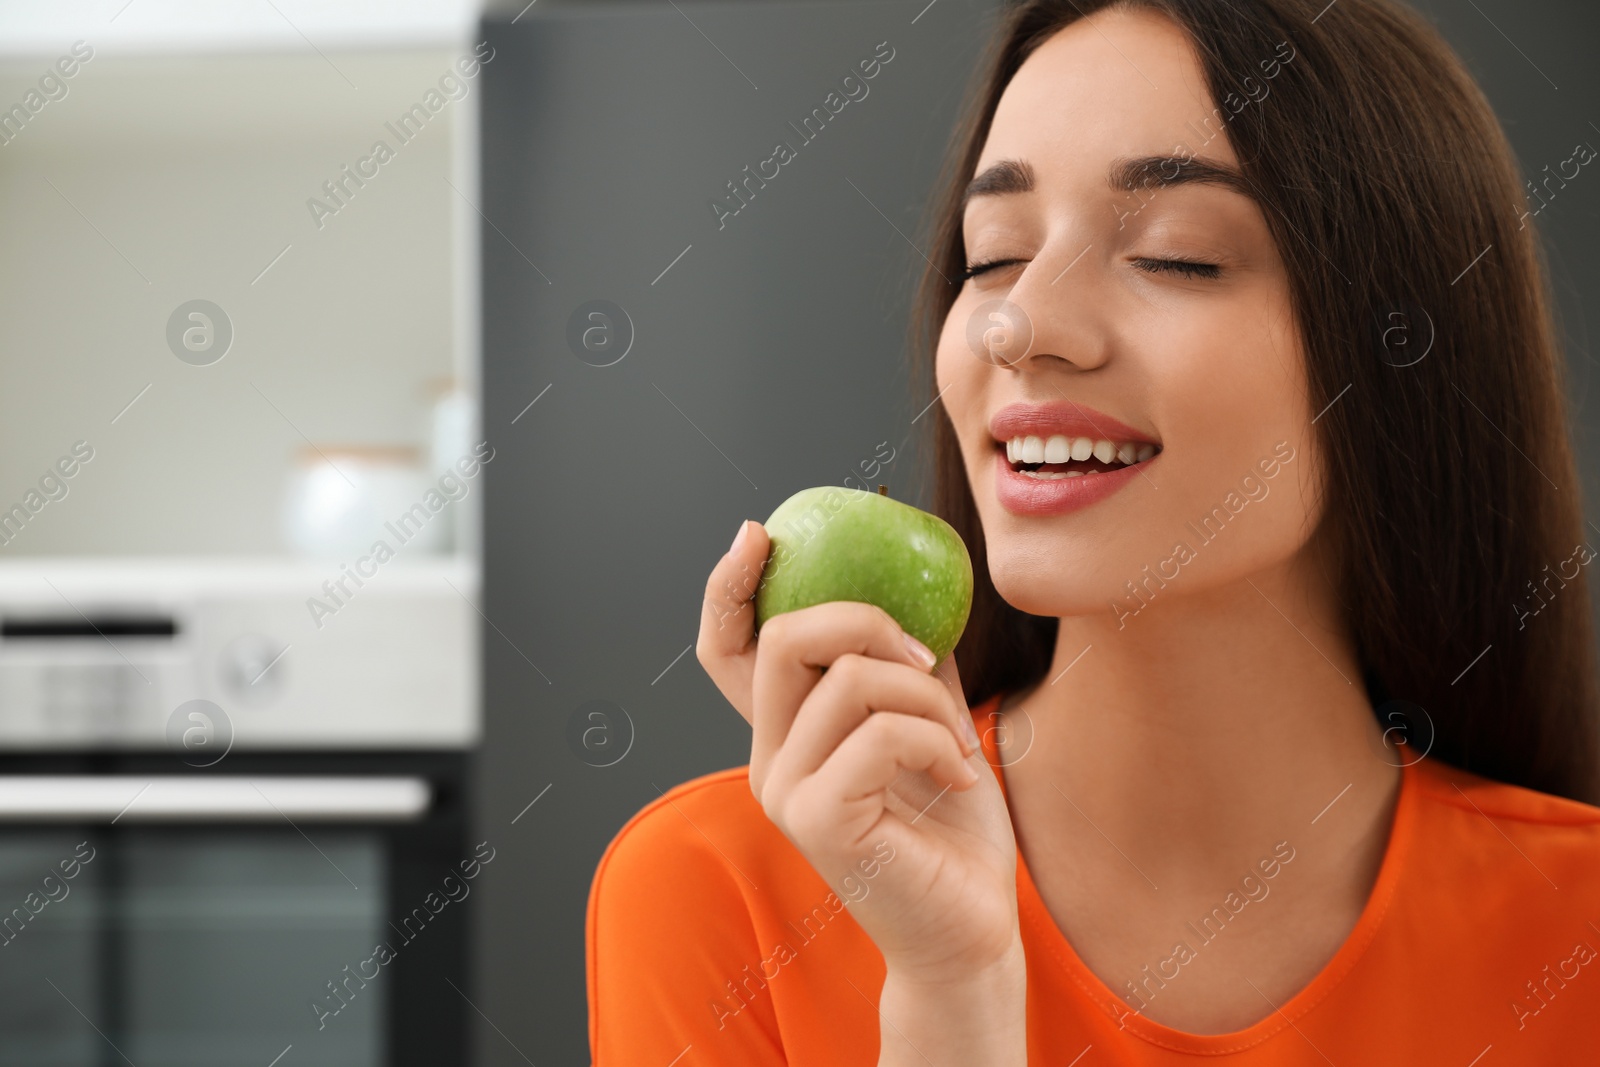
{"x": 1126, "y": 174}
{"x": 1006, "y": 176}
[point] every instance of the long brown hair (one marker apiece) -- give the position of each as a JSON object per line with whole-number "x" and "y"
{"x": 1452, "y": 503}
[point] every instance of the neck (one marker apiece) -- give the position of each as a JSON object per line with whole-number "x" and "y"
{"x": 1206, "y": 726}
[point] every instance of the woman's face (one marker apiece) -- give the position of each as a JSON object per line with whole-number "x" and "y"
{"x": 1083, "y": 330}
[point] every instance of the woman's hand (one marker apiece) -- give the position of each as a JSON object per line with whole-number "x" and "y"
{"x": 860, "y": 748}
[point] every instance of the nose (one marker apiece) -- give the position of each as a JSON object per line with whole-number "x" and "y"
{"x": 1053, "y": 318}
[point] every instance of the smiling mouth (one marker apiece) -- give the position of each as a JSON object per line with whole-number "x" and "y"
{"x": 1059, "y": 456}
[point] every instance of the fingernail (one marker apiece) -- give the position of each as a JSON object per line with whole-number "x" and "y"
{"x": 920, "y": 651}
{"x": 738, "y": 538}
{"x": 970, "y": 731}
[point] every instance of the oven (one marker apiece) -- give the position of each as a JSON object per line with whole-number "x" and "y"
{"x": 204, "y": 864}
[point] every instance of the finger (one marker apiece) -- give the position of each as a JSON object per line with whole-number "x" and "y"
{"x": 796, "y": 646}
{"x": 852, "y": 689}
{"x": 950, "y": 675}
{"x": 726, "y": 645}
{"x": 847, "y": 791}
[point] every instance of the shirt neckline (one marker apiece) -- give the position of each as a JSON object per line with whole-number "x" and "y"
{"x": 1036, "y": 918}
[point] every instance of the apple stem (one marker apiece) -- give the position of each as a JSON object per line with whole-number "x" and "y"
{"x": 883, "y": 490}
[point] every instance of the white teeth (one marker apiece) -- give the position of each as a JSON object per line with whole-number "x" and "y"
{"x": 1059, "y": 448}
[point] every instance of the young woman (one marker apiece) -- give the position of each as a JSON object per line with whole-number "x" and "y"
{"x": 1251, "y": 415}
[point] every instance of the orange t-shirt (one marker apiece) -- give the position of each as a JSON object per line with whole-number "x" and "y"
{"x": 712, "y": 941}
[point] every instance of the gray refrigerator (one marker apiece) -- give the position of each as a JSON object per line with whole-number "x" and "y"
{"x": 683, "y": 325}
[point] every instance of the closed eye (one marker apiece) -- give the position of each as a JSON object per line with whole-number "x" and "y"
{"x": 976, "y": 269}
{"x": 1188, "y": 268}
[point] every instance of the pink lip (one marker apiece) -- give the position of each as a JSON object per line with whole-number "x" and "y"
{"x": 1062, "y": 417}
{"x": 1022, "y": 495}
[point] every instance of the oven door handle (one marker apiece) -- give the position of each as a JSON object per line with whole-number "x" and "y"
{"x": 101, "y": 798}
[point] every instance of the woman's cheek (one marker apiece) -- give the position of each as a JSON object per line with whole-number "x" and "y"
{"x": 960, "y": 382}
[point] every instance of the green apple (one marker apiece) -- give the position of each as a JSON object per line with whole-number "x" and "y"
{"x": 836, "y": 543}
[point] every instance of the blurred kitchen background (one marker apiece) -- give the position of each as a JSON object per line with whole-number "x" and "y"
{"x": 519, "y": 348}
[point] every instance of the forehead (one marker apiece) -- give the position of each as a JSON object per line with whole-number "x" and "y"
{"x": 1113, "y": 84}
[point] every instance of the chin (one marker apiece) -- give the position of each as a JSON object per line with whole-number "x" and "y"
{"x": 1036, "y": 582}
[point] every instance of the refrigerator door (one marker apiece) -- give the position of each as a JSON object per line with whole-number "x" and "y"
{"x": 666, "y": 355}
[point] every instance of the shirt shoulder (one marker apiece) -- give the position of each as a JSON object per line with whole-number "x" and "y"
{"x": 721, "y": 801}
{"x": 1523, "y": 834}
{"x": 672, "y": 920}
{"x": 1493, "y": 920}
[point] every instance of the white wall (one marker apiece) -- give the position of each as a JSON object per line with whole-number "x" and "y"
{"x": 186, "y": 175}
